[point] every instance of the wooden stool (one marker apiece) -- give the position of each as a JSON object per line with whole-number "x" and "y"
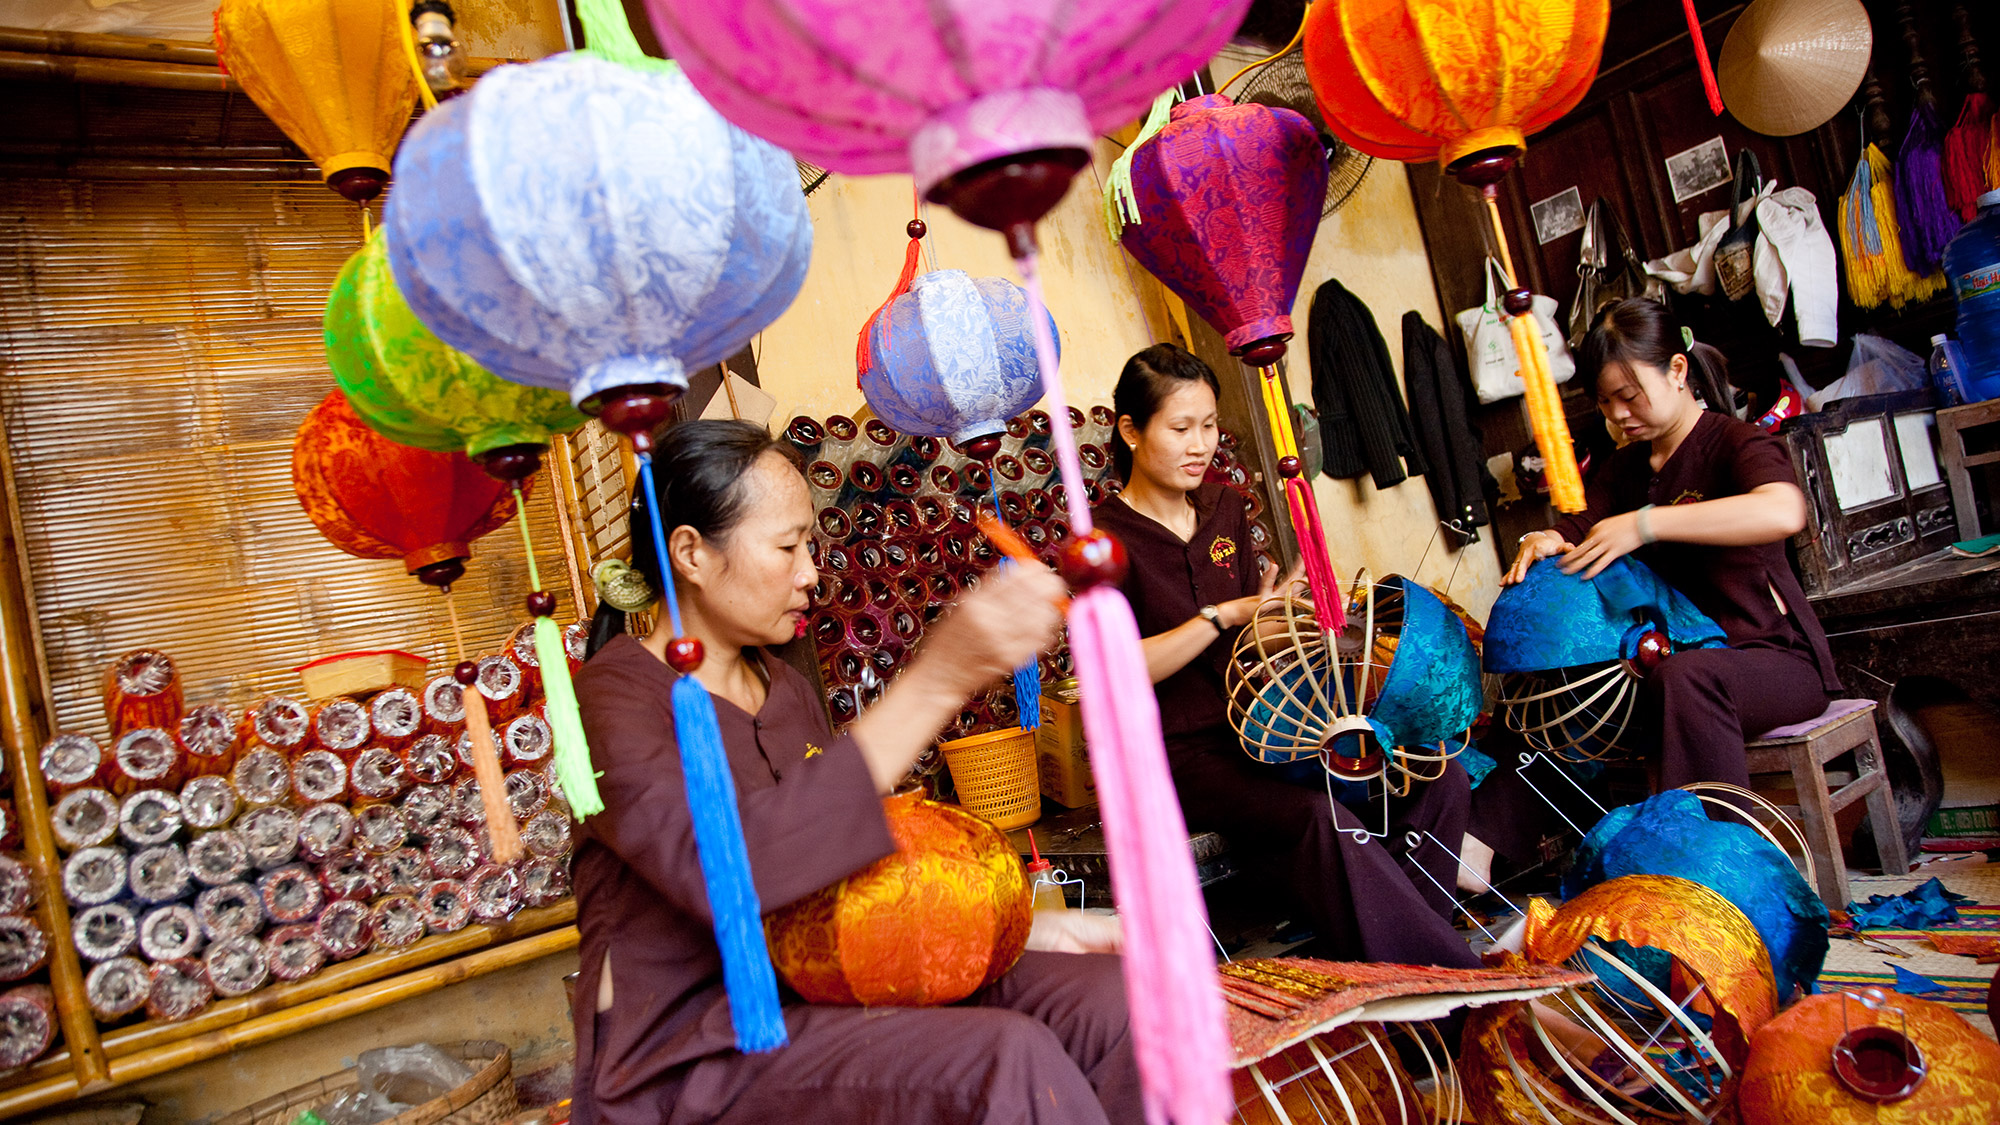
{"x": 1802, "y": 750}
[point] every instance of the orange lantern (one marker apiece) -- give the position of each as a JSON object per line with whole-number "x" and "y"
{"x": 939, "y": 920}
{"x": 1797, "y": 1075}
{"x": 1464, "y": 84}
{"x": 335, "y": 76}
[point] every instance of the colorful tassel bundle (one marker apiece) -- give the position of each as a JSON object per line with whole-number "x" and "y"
{"x": 1968, "y": 153}
{"x": 1928, "y": 221}
{"x": 747, "y": 974}
{"x": 1120, "y": 205}
{"x": 1175, "y": 998}
{"x": 1871, "y": 241}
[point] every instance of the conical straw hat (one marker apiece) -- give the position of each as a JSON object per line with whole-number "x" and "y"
{"x": 1789, "y": 65}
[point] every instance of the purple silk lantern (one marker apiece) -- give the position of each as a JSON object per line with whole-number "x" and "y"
{"x": 1229, "y": 200}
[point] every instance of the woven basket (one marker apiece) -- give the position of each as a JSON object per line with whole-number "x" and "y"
{"x": 484, "y": 1099}
{"x": 996, "y": 777}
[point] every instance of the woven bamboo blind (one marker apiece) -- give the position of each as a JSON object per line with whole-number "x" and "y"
{"x": 159, "y": 344}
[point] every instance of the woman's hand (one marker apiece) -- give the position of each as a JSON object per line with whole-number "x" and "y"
{"x": 1611, "y": 539}
{"x": 1006, "y": 620}
{"x": 1238, "y": 612}
{"x": 1535, "y": 546}
{"x": 1073, "y": 931}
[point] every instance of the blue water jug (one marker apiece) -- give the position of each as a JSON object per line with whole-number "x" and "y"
{"x": 1972, "y": 262}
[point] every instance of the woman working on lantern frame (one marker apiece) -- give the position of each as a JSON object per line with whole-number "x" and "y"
{"x": 1046, "y": 1043}
{"x": 1193, "y": 583}
{"x": 1707, "y": 502}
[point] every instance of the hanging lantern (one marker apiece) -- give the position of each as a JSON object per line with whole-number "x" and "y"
{"x": 942, "y": 918}
{"x": 1226, "y": 202}
{"x": 646, "y": 239}
{"x": 334, "y": 76}
{"x": 994, "y": 110}
{"x": 376, "y": 499}
{"x": 1202, "y": 219}
{"x": 415, "y": 389}
{"x": 992, "y": 114}
{"x": 952, "y": 358}
{"x": 1412, "y": 80}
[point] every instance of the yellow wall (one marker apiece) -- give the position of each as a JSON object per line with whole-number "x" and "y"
{"x": 1373, "y": 245}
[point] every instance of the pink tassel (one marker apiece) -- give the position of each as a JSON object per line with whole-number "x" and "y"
{"x": 1171, "y": 987}
{"x": 1965, "y": 155}
{"x": 1320, "y": 578}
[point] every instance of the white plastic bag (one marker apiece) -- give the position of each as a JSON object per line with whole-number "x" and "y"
{"x": 1489, "y": 344}
{"x": 1876, "y": 367}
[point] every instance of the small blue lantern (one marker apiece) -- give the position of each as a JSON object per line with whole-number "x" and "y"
{"x": 953, "y": 357}
{"x": 586, "y": 225}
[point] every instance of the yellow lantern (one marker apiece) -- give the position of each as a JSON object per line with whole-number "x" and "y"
{"x": 1463, "y": 82}
{"x": 335, "y": 75}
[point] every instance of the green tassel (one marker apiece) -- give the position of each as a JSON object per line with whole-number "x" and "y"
{"x": 1119, "y": 206}
{"x": 608, "y": 35}
{"x": 572, "y": 753}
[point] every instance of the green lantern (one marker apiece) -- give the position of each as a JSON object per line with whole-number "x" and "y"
{"x": 413, "y": 388}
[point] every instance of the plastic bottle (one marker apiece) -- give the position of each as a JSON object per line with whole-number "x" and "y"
{"x": 1048, "y": 894}
{"x": 1947, "y": 369}
{"x": 1972, "y": 263}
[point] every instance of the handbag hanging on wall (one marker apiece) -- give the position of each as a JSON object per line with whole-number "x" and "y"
{"x": 1735, "y": 256}
{"x": 1607, "y": 271}
{"x": 1489, "y": 345}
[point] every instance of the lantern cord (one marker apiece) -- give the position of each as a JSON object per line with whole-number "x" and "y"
{"x": 1028, "y": 676}
{"x": 729, "y": 387}
{"x": 863, "y": 353}
{"x": 1298, "y": 37}
{"x": 409, "y": 38}
{"x": 559, "y": 706}
{"x": 457, "y": 635}
{"x": 1544, "y": 401}
{"x": 1179, "y": 1037}
{"x": 747, "y": 975}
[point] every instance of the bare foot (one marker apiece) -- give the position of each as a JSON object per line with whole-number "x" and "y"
{"x": 1475, "y": 871}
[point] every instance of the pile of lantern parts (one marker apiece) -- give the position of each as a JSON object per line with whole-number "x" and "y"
{"x": 28, "y": 1025}
{"x": 895, "y": 539}
{"x": 209, "y": 852}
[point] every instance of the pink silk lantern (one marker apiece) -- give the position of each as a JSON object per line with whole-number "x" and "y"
{"x": 993, "y": 106}
{"x": 1227, "y": 199}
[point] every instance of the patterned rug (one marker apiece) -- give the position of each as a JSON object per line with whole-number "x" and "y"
{"x": 1971, "y": 919}
{"x": 1964, "y": 995}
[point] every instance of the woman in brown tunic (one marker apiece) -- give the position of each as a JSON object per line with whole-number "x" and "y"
{"x": 1193, "y": 582}
{"x": 1707, "y": 502}
{"x": 1047, "y": 1043}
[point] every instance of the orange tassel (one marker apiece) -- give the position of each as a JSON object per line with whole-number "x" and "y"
{"x": 863, "y": 354}
{"x": 492, "y": 783}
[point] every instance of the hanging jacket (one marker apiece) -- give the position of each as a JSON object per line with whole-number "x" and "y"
{"x": 1441, "y": 411}
{"x": 1363, "y": 426}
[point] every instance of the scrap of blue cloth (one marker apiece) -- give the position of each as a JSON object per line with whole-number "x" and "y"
{"x": 1914, "y": 984}
{"x": 1927, "y": 907}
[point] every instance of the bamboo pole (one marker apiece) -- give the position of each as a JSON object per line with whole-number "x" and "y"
{"x": 132, "y": 1040}
{"x": 304, "y": 1017}
{"x": 23, "y": 737}
{"x": 127, "y": 61}
{"x": 113, "y": 72}
{"x": 569, "y": 516}
{"x": 36, "y": 41}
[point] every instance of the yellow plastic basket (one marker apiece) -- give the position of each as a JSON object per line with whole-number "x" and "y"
{"x": 996, "y": 777}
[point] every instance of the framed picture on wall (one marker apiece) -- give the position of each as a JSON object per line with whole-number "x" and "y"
{"x": 1702, "y": 168}
{"x": 1558, "y": 215}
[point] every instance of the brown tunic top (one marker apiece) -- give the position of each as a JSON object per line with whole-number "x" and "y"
{"x": 1732, "y": 585}
{"x": 1169, "y": 581}
{"x": 810, "y": 816}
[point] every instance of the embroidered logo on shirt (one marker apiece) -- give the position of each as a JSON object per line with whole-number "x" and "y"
{"x": 812, "y": 751}
{"x": 1222, "y": 551}
{"x": 1691, "y": 496}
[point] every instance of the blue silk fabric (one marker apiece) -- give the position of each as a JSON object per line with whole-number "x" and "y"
{"x": 1670, "y": 834}
{"x": 1554, "y": 620}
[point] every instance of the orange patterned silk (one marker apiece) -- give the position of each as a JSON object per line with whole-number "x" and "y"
{"x": 945, "y": 916}
{"x": 1790, "y": 1078}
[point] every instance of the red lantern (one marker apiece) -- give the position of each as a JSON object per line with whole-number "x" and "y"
{"x": 942, "y": 918}
{"x": 376, "y": 499}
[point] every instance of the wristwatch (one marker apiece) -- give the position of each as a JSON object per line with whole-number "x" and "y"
{"x": 1214, "y": 617}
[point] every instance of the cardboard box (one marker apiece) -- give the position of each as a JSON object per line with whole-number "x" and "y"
{"x": 362, "y": 673}
{"x": 1061, "y": 758}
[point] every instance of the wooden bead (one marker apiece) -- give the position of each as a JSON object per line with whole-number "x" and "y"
{"x": 1265, "y": 352}
{"x": 982, "y": 448}
{"x": 636, "y": 411}
{"x": 1517, "y": 302}
{"x": 541, "y": 603}
{"x": 684, "y": 655}
{"x": 916, "y": 228}
{"x": 1654, "y": 648}
{"x": 1091, "y": 560}
{"x": 1289, "y": 467}
{"x": 466, "y": 673}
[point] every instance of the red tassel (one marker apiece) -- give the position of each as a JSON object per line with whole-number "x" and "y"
{"x": 863, "y": 355}
{"x": 1965, "y": 155}
{"x": 1701, "y": 58}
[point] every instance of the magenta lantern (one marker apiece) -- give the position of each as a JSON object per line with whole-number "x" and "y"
{"x": 1229, "y": 200}
{"x": 942, "y": 88}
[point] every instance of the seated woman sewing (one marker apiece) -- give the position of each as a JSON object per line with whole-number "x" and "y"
{"x": 1707, "y": 502}
{"x": 1046, "y": 1043}
{"x": 1193, "y": 583}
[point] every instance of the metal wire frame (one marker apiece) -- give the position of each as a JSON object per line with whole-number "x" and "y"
{"x": 1548, "y": 709}
{"x": 1330, "y": 1062}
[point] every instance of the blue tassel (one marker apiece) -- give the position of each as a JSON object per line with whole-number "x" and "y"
{"x": 1028, "y": 694}
{"x": 725, "y": 870}
{"x": 747, "y": 975}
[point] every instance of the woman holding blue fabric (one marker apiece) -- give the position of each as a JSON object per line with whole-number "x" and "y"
{"x": 1193, "y": 583}
{"x": 1707, "y": 502}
